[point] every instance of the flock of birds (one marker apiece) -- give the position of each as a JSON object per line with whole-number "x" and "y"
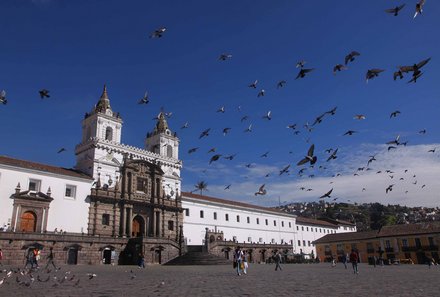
{"x": 310, "y": 159}
{"x": 27, "y": 277}
{"x": 47, "y": 278}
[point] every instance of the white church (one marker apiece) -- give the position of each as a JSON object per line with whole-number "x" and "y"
{"x": 41, "y": 198}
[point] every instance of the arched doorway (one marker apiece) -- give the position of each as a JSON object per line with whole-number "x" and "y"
{"x": 107, "y": 256}
{"x": 28, "y": 222}
{"x": 137, "y": 227}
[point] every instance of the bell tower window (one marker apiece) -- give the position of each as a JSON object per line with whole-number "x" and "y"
{"x": 169, "y": 151}
{"x": 109, "y": 134}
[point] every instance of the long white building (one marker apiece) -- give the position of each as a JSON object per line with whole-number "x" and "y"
{"x": 240, "y": 222}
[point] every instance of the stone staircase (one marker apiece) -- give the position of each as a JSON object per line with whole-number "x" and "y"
{"x": 196, "y": 256}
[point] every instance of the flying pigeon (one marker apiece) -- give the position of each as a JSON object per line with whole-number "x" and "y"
{"x": 395, "y": 10}
{"x": 158, "y": 32}
{"x": 309, "y": 158}
{"x": 144, "y": 100}
{"x": 351, "y": 57}
{"x": 261, "y": 191}
{"x": 3, "y": 99}
{"x": 326, "y": 194}
{"x": 419, "y": 7}
{"x": 224, "y": 57}
{"x": 44, "y": 93}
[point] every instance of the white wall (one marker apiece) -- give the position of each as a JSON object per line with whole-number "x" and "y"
{"x": 307, "y": 233}
{"x": 65, "y": 213}
{"x": 194, "y": 226}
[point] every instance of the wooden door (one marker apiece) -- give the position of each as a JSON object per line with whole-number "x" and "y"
{"x": 136, "y": 228}
{"x": 28, "y": 222}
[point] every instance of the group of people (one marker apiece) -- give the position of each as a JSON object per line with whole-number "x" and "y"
{"x": 352, "y": 258}
{"x": 241, "y": 262}
{"x": 33, "y": 255}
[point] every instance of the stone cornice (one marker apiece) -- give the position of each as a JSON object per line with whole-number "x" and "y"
{"x": 137, "y": 153}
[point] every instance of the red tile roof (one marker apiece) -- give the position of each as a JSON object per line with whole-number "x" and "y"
{"x": 233, "y": 203}
{"x": 310, "y": 221}
{"x": 410, "y": 229}
{"x": 42, "y": 167}
{"x": 348, "y": 236}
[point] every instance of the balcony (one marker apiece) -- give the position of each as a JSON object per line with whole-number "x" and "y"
{"x": 370, "y": 251}
{"x": 340, "y": 252}
{"x": 328, "y": 253}
{"x": 418, "y": 248}
{"x": 389, "y": 250}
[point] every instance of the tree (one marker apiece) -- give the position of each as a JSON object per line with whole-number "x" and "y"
{"x": 201, "y": 186}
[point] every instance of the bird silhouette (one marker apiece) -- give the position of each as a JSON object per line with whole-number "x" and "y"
{"x": 281, "y": 84}
{"x": 3, "y": 99}
{"x": 261, "y": 191}
{"x": 268, "y": 115}
{"x": 158, "y": 32}
{"x": 214, "y": 158}
{"x": 261, "y": 93}
{"x": 224, "y": 57}
{"x": 351, "y": 57}
{"x": 359, "y": 117}
{"x": 395, "y": 10}
{"x": 326, "y": 195}
{"x": 248, "y": 129}
{"x": 302, "y": 73}
{"x": 300, "y": 64}
{"x": 349, "y": 132}
{"x": 284, "y": 170}
{"x": 44, "y": 93}
{"x": 205, "y": 133}
{"x": 394, "y": 114}
{"x": 192, "y": 150}
{"x": 144, "y": 100}
{"x": 309, "y": 158}
{"x": 338, "y": 68}
{"x": 61, "y": 150}
{"x": 333, "y": 155}
{"x": 254, "y": 84}
{"x": 419, "y": 8}
{"x": 372, "y": 73}
{"x": 226, "y": 131}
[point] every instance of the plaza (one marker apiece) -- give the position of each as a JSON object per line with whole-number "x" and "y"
{"x": 221, "y": 280}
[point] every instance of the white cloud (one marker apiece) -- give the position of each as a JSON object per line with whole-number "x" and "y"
{"x": 407, "y": 189}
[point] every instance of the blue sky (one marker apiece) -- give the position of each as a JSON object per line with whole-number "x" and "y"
{"x": 73, "y": 47}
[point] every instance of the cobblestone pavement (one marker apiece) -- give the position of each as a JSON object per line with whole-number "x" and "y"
{"x": 261, "y": 280}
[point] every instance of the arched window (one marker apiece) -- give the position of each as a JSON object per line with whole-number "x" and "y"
{"x": 109, "y": 133}
{"x": 169, "y": 151}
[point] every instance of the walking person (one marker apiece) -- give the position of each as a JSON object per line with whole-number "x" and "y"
{"x": 141, "y": 260}
{"x": 36, "y": 257}
{"x": 238, "y": 258}
{"x": 278, "y": 260}
{"x": 345, "y": 260}
{"x": 245, "y": 262}
{"x": 29, "y": 258}
{"x": 354, "y": 258}
{"x": 50, "y": 259}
